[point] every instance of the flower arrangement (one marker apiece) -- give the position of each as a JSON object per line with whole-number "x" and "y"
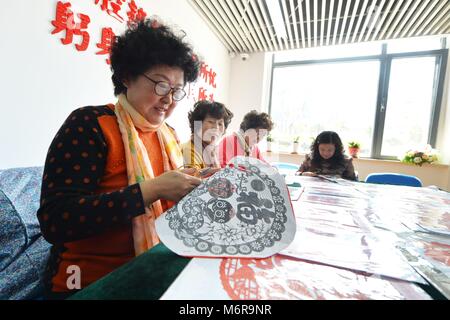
{"x": 428, "y": 155}
{"x": 269, "y": 138}
{"x": 296, "y": 139}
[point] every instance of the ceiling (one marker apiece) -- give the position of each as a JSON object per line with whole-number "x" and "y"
{"x": 246, "y": 26}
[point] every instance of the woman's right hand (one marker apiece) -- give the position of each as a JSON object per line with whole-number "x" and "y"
{"x": 171, "y": 185}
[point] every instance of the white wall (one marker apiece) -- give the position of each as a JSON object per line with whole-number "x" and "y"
{"x": 248, "y": 86}
{"x": 42, "y": 81}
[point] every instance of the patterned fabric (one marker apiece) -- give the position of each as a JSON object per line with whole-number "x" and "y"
{"x": 344, "y": 170}
{"x": 235, "y": 145}
{"x": 72, "y": 208}
{"x": 87, "y": 205}
{"x": 23, "y": 250}
{"x": 200, "y": 158}
{"x": 13, "y": 235}
{"x": 22, "y": 187}
{"x": 139, "y": 167}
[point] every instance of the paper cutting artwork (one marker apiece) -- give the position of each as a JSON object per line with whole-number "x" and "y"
{"x": 242, "y": 210}
{"x": 280, "y": 278}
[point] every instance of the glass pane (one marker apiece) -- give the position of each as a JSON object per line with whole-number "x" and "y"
{"x": 414, "y": 44}
{"x": 409, "y": 106}
{"x": 308, "y": 99}
{"x": 331, "y": 52}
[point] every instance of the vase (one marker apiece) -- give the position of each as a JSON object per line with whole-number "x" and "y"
{"x": 353, "y": 152}
{"x": 269, "y": 146}
{"x": 295, "y": 147}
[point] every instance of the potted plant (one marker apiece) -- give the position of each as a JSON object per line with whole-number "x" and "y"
{"x": 269, "y": 140}
{"x": 296, "y": 144}
{"x": 419, "y": 157}
{"x": 353, "y": 148}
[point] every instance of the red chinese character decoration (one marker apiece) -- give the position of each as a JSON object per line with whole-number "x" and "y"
{"x": 208, "y": 79}
{"x": 135, "y": 14}
{"x": 208, "y": 75}
{"x": 106, "y": 42}
{"x": 112, "y": 8}
{"x": 201, "y": 93}
{"x": 65, "y": 21}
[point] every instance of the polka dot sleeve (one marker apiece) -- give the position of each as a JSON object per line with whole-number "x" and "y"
{"x": 70, "y": 207}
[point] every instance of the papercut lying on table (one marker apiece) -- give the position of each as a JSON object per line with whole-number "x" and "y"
{"x": 240, "y": 211}
{"x": 279, "y": 277}
{"x": 430, "y": 256}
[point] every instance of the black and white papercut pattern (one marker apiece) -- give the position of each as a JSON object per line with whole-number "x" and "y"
{"x": 241, "y": 211}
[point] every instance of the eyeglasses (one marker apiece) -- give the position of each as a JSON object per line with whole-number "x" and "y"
{"x": 162, "y": 88}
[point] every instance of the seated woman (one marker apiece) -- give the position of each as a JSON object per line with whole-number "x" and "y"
{"x": 208, "y": 121}
{"x": 327, "y": 158}
{"x": 111, "y": 170}
{"x": 254, "y": 127}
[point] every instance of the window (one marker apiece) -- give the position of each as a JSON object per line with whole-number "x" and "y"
{"x": 389, "y": 102}
{"x": 409, "y": 104}
{"x": 350, "y": 99}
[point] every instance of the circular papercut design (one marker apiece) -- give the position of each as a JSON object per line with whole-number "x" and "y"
{"x": 216, "y": 249}
{"x": 220, "y": 188}
{"x": 219, "y": 211}
{"x": 239, "y": 211}
{"x": 194, "y": 205}
{"x": 202, "y": 246}
{"x": 258, "y": 185}
{"x": 192, "y": 221}
{"x": 245, "y": 249}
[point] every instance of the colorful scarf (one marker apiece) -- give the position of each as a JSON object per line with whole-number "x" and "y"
{"x": 139, "y": 167}
{"x": 245, "y": 146}
{"x": 207, "y": 151}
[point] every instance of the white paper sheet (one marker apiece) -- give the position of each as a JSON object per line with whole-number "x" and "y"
{"x": 241, "y": 211}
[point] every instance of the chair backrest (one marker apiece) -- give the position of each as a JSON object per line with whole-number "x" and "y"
{"x": 394, "y": 178}
{"x": 285, "y": 165}
{"x": 285, "y": 168}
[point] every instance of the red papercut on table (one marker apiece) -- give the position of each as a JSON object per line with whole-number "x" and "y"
{"x": 106, "y": 42}
{"x": 238, "y": 276}
{"x": 284, "y": 278}
{"x": 438, "y": 251}
{"x": 279, "y": 277}
{"x": 65, "y": 21}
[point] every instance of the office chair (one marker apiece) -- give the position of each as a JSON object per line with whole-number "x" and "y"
{"x": 394, "y": 178}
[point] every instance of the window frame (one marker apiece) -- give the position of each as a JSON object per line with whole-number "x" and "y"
{"x": 385, "y": 60}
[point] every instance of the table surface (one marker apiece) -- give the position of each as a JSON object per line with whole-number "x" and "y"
{"x": 149, "y": 275}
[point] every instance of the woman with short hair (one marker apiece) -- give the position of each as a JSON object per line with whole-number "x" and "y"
{"x": 254, "y": 127}
{"x": 111, "y": 170}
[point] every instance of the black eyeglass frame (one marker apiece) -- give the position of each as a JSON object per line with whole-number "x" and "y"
{"x": 163, "y": 93}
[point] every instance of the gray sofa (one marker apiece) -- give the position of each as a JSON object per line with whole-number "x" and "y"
{"x": 23, "y": 250}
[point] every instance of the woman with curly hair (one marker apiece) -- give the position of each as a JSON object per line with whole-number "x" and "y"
{"x": 254, "y": 127}
{"x": 208, "y": 121}
{"x": 327, "y": 158}
{"x": 111, "y": 170}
